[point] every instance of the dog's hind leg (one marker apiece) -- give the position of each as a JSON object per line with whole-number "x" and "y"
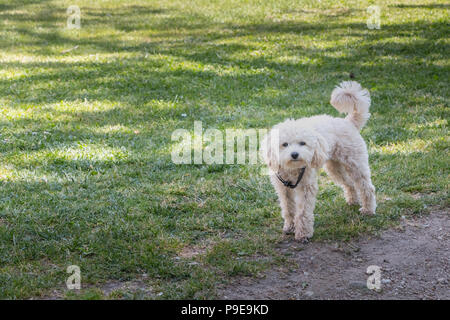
{"x": 337, "y": 172}
{"x": 359, "y": 172}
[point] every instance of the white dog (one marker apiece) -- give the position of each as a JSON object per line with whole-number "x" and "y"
{"x": 295, "y": 150}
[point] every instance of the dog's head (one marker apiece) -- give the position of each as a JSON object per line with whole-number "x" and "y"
{"x": 290, "y": 145}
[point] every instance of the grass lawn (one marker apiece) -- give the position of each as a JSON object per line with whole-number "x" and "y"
{"x": 86, "y": 117}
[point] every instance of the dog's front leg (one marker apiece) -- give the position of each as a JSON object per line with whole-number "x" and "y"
{"x": 287, "y": 204}
{"x": 304, "y": 217}
{"x": 289, "y": 214}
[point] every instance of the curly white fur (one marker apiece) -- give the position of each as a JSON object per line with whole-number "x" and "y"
{"x": 349, "y": 97}
{"x": 318, "y": 141}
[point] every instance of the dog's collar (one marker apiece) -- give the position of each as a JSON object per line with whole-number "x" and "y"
{"x": 288, "y": 183}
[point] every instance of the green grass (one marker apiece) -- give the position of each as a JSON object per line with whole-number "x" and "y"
{"x": 86, "y": 118}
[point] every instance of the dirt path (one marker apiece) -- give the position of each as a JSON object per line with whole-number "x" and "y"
{"x": 414, "y": 260}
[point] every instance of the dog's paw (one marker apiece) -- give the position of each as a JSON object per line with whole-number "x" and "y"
{"x": 302, "y": 237}
{"x": 288, "y": 228}
{"x": 367, "y": 211}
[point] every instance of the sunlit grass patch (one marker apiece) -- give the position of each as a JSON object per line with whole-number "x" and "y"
{"x": 409, "y": 146}
{"x": 80, "y": 152}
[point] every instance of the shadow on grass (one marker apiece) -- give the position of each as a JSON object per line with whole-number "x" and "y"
{"x": 147, "y": 79}
{"x": 422, "y": 6}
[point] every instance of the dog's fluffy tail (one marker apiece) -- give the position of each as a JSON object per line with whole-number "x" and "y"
{"x": 349, "y": 97}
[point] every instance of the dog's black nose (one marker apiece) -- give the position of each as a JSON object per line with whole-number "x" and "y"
{"x": 294, "y": 155}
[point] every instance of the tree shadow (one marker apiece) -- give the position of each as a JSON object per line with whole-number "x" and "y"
{"x": 134, "y": 82}
{"x": 422, "y": 6}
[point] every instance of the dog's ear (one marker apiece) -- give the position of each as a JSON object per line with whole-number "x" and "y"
{"x": 320, "y": 152}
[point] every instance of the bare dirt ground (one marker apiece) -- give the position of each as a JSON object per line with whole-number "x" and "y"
{"x": 414, "y": 260}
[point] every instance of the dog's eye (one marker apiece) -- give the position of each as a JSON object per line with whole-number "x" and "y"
{"x": 285, "y": 144}
{"x": 302, "y": 143}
